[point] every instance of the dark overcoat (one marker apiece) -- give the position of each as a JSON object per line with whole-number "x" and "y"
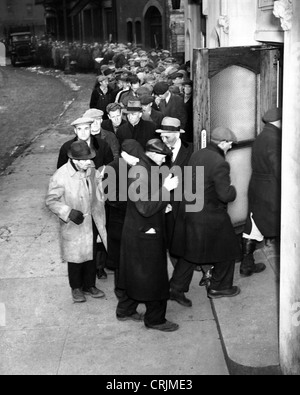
{"x": 265, "y": 183}
{"x": 143, "y": 266}
{"x": 116, "y": 212}
{"x": 182, "y": 160}
{"x": 175, "y": 108}
{"x": 209, "y": 234}
{"x": 104, "y": 155}
{"x": 142, "y": 132}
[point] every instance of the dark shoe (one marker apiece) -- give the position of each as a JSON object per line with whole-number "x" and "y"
{"x": 180, "y": 298}
{"x": 101, "y": 274}
{"x": 134, "y": 317}
{"x": 78, "y": 296}
{"x": 254, "y": 269}
{"x": 166, "y": 327}
{"x": 94, "y": 293}
{"x": 226, "y": 293}
{"x": 205, "y": 281}
{"x": 248, "y": 266}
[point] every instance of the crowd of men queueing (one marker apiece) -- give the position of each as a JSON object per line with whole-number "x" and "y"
{"x": 141, "y": 116}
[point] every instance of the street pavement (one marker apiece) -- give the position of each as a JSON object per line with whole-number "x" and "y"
{"x": 43, "y": 332}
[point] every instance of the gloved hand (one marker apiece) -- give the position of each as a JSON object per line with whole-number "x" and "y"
{"x": 76, "y": 217}
{"x": 171, "y": 182}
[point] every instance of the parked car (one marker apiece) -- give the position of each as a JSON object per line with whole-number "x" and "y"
{"x": 22, "y": 48}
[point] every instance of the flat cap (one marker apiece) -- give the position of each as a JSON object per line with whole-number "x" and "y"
{"x": 161, "y": 88}
{"x": 93, "y": 113}
{"x": 147, "y": 99}
{"x": 273, "y": 115}
{"x": 223, "y": 134}
{"x": 133, "y": 148}
{"x": 143, "y": 91}
{"x": 82, "y": 121}
{"x": 157, "y": 146}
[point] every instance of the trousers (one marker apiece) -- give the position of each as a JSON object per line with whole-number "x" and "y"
{"x": 155, "y": 310}
{"x": 222, "y": 275}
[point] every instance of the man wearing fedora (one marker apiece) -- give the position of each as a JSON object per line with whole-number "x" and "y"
{"x": 170, "y": 104}
{"x": 209, "y": 235}
{"x": 83, "y": 131}
{"x": 75, "y": 196}
{"x": 264, "y": 192}
{"x": 143, "y": 267}
{"x": 136, "y": 128}
{"x": 170, "y": 133}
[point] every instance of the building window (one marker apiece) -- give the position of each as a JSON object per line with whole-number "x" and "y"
{"x": 138, "y": 32}
{"x": 129, "y": 31}
{"x": 29, "y": 9}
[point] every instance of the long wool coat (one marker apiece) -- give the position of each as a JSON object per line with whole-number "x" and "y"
{"x": 143, "y": 266}
{"x": 209, "y": 234}
{"x": 68, "y": 189}
{"x": 265, "y": 183}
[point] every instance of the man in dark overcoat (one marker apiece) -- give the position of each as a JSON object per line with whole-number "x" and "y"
{"x": 170, "y": 133}
{"x": 209, "y": 234}
{"x": 264, "y": 191}
{"x": 117, "y": 205}
{"x": 83, "y": 131}
{"x": 143, "y": 265}
{"x": 170, "y": 104}
{"x": 136, "y": 128}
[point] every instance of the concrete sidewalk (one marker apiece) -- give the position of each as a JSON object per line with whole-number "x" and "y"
{"x": 43, "y": 332}
{"x": 248, "y": 324}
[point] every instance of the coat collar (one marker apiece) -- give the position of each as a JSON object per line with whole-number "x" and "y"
{"x": 75, "y": 173}
{"x": 94, "y": 142}
{"x": 214, "y": 147}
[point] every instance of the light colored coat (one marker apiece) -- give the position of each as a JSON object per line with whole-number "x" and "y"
{"x": 68, "y": 189}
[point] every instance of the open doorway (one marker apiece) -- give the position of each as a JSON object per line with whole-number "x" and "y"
{"x": 153, "y": 28}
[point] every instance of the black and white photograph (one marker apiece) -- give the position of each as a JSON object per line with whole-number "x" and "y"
{"x": 149, "y": 190}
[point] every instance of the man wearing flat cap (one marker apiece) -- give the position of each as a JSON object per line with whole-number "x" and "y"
{"x": 106, "y": 135}
{"x": 83, "y": 131}
{"x": 75, "y": 196}
{"x": 102, "y": 95}
{"x": 136, "y": 128}
{"x": 149, "y": 113}
{"x": 143, "y": 266}
{"x": 209, "y": 236}
{"x": 170, "y": 104}
{"x": 264, "y": 191}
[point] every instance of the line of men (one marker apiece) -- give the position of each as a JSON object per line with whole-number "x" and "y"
{"x": 133, "y": 237}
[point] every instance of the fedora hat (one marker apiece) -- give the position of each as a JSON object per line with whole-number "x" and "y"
{"x": 133, "y": 106}
{"x": 79, "y": 150}
{"x": 157, "y": 146}
{"x": 170, "y": 125}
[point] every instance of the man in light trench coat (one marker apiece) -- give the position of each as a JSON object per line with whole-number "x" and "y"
{"x": 75, "y": 196}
